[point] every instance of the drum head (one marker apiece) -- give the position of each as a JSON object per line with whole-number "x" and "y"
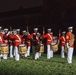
{"x": 53, "y": 43}
{"x": 22, "y": 45}
{"x": 41, "y": 44}
{"x": 3, "y": 44}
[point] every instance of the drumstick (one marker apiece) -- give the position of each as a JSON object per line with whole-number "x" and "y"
{"x": 59, "y": 32}
{"x": 10, "y": 28}
{"x": 27, "y": 30}
{"x": 43, "y": 30}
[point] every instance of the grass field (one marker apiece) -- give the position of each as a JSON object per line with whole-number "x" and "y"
{"x": 42, "y": 66}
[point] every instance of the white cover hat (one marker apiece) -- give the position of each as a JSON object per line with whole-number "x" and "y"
{"x": 49, "y": 29}
{"x": 0, "y": 27}
{"x": 24, "y": 31}
{"x": 63, "y": 32}
{"x": 70, "y": 28}
{"x": 17, "y": 29}
{"x": 6, "y": 29}
{"x": 35, "y": 28}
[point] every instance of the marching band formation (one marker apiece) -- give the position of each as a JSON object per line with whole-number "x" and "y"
{"x": 14, "y": 44}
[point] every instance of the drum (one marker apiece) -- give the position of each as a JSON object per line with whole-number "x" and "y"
{"x": 54, "y": 47}
{"x": 22, "y": 49}
{"x": 4, "y": 49}
{"x": 41, "y": 48}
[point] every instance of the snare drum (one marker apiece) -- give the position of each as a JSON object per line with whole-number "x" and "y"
{"x": 22, "y": 49}
{"x": 54, "y": 47}
{"x": 4, "y": 48}
{"x": 41, "y": 48}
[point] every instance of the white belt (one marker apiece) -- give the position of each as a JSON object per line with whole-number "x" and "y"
{"x": 10, "y": 41}
{"x": 6, "y": 40}
{"x": 48, "y": 40}
{"x": 28, "y": 42}
{"x": 17, "y": 41}
{"x": 63, "y": 42}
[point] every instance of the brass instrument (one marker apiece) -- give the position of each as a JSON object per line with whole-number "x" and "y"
{"x": 72, "y": 40}
{"x": 66, "y": 49}
{"x": 70, "y": 43}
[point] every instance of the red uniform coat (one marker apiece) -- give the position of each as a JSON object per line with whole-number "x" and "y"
{"x": 23, "y": 39}
{"x": 28, "y": 41}
{"x": 31, "y": 36}
{"x": 10, "y": 41}
{"x": 17, "y": 39}
{"x": 35, "y": 40}
{"x": 1, "y": 38}
{"x": 63, "y": 40}
{"x": 69, "y": 37}
{"x": 5, "y": 36}
{"x": 49, "y": 38}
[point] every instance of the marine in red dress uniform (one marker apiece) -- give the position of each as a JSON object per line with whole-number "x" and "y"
{"x": 17, "y": 42}
{"x": 49, "y": 38}
{"x": 69, "y": 36}
{"x": 63, "y": 43}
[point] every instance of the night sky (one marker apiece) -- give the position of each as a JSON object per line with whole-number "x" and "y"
{"x": 8, "y": 5}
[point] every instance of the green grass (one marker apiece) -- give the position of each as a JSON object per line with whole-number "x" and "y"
{"x": 42, "y": 66}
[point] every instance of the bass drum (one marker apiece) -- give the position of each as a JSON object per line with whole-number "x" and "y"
{"x": 54, "y": 47}
{"x": 4, "y": 49}
{"x": 41, "y": 48}
{"x": 22, "y": 49}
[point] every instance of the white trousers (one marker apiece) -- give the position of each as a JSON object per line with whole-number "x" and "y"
{"x": 16, "y": 53}
{"x": 1, "y": 55}
{"x": 28, "y": 51}
{"x": 62, "y": 52}
{"x": 39, "y": 54}
{"x": 11, "y": 53}
{"x": 36, "y": 55}
{"x": 5, "y": 56}
{"x": 70, "y": 55}
{"x": 49, "y": 52}
{"x": 26, "y": 55}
